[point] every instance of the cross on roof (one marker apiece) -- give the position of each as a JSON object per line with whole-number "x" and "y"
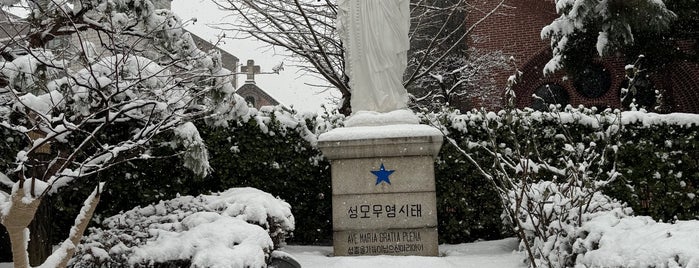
{"x": 251, "y": 69}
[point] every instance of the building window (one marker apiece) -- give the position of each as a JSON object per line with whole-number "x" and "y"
{"x": 250, "y": 100}
{"x": 548, "y": 94}
{"x": 60, "y": 45}
{"x": 593, "y": 81}
{"x": 61, "y": 42}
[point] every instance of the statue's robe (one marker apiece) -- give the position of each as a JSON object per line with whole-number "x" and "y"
{"x": 375, "y": 38}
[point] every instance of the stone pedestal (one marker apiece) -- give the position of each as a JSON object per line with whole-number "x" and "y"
{"x": 383, "y": 185}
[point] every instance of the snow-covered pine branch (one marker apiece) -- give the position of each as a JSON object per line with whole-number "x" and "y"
{"x": 616, "y": 22}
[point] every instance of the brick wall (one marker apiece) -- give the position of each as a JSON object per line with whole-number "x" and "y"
{"x": 515, "y": 30}
{"x": 682, "y": 87}
{"x": 260, "y": 98}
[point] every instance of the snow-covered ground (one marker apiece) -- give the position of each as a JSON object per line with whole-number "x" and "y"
{"x": 486, "y": 254}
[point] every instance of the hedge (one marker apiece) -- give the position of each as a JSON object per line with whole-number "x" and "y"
{"x": 274, "y": 150}
{"x": 655, "y": 157}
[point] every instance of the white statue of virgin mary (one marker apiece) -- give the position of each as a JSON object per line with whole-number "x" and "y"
{"x": 375, "y": 38}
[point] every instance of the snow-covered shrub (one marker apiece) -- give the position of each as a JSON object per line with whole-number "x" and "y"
{"x": 236, "y": 228}
{"x": 550, "y": 216}
{"x": 271, "y": 149}
{"x": 571, "y": 226}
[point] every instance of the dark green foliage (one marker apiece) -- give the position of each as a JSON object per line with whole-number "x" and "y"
{"x": 10, "y": 143}
{"x": 467, "y": 206}
{"x": 659, "y": 171}
{"x": 279, "y": 162}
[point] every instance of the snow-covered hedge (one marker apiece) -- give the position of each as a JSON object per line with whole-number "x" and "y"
{"x": 652, "y": 157}
{"x": 271, "y": 149}
{"x": 274, "y": 150}
{"x": 236, "y": 228}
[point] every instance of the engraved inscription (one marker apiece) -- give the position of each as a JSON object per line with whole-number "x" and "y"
{"x": 388, "y": 211}
{"x": 385, "y": 242}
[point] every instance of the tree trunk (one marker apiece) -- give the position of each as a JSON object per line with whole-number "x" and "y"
{"x": 16, "y": 221}
{"x": 19, "y": 253}
{"x": 40, "y": 235}
{"x": 5, "y": 252}
{"x": 40, "y": 228}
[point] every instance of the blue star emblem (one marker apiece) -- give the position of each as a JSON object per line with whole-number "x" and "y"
{"x": 382, "y": 175}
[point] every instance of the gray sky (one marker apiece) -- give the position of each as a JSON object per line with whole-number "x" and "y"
{"x": 288, "y": 87}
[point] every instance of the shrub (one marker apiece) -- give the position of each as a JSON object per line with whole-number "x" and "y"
{"x": 271, "y": 150}
{"x": 239, "y": 227}
{"x": 275, "y": 151}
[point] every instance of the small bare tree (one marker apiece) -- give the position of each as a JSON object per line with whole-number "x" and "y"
{"x": 307, "y": 30}
{"x": 92, "y": 84}
{"x": 459, "y": 77}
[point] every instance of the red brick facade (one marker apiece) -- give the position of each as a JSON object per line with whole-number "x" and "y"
{"x": 516, "y": 30}
{"x": 255, "y": 96}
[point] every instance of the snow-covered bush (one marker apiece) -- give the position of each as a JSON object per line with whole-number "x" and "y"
{"x": 236, "y": 228}
{"x": 550, "y": 215}
{"x": 571, "y": 226}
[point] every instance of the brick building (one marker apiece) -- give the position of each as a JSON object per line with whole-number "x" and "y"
{"x": 254, "y": 95}
{"x": 516, "y": 31}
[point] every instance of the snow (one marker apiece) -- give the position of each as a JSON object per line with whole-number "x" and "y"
{"x": 39, "y": 188}
{"x": 4, "y": 180}
{"x": 649, "y": 119}
{"x": 379, "y": 132}
{"x": 369, "y": 118}
{"x": 196, "y": 156}
{"x": 41, "y": 104}
{"x": 579, "y": 116}
{"x": 642, "y": 242}
{"x": 208, "y": 243}
{"x": 252, "y": 205}
{"x": 485, "y": 254}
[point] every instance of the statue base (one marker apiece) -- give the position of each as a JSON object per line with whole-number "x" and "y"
{"x": 383, "y": 187}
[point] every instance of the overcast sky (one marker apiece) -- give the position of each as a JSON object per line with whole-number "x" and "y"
{"x": 288, "y": 87}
